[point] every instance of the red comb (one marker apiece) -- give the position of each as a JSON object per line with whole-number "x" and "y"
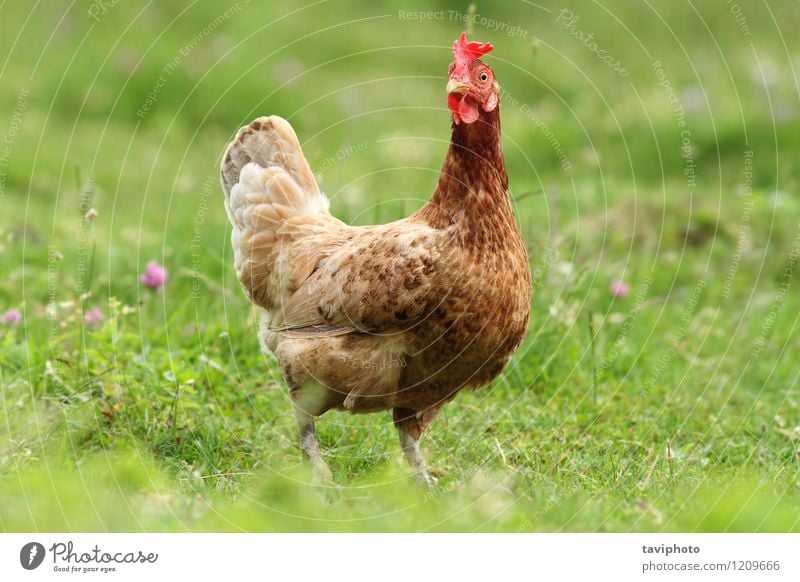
{"x": 466, "y": 52}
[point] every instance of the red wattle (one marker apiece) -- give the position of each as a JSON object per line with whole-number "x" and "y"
{"x": 468, "y": 110}
{"x": 452, "y": 104}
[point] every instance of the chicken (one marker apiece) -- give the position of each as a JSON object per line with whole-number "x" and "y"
{"x": 397, "y": 317}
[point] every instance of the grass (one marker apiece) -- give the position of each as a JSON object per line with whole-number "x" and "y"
{"x": 672, "y": 409}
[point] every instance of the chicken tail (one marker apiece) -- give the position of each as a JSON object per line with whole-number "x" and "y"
{"x": 268, "y": 142}
{"x": 267, "y": 183}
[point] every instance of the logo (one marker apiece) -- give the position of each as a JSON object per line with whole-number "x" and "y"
{"x": 31, "y": 555}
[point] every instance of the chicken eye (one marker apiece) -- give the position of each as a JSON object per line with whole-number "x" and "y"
{"x": 483, "y": 76}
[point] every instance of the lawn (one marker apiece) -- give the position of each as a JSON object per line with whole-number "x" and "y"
{"x": 652, "y": 155}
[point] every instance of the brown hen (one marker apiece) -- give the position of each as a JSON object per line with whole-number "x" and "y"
{"x": 398, "y": 316}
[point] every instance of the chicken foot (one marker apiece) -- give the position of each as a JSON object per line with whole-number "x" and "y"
{"x": 411, "y": 450}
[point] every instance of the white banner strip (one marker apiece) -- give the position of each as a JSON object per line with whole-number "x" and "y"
{"x": 400, "y": 557}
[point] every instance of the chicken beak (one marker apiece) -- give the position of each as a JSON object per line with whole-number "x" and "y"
{"x": 454, "y": 86}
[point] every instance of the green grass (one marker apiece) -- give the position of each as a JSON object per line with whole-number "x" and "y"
{"x": 681, "y": 415}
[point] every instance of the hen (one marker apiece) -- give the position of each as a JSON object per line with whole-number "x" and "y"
{"x": 398, "y": 316}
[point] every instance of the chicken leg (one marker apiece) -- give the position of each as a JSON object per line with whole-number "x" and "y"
{"x": 410, "y": 426}
{"x": 310, "y": 445}
{"x": 308, "y": 404}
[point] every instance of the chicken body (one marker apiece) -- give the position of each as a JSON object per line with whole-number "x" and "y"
{"x": 393, "y": 317}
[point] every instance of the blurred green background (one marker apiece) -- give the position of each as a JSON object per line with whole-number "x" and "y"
{"x": 652, "y": 144}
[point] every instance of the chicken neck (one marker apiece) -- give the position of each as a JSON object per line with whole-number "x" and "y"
{"x": 472, "y": 193}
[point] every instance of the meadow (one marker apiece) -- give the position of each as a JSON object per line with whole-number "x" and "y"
{"x": 652, "y": 156}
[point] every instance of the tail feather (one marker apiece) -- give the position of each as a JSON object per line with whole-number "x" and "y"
{"x": 269, "y": 189}
{"x": 267, "y": 141}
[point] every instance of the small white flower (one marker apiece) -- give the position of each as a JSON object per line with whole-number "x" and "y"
{"x": 564, "y": 267}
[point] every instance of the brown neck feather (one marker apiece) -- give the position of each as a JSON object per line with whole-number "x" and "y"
{"x": 473, "y": 179}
